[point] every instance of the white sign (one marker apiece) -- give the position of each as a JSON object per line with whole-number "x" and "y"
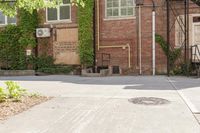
{"x": 28, "y": 52}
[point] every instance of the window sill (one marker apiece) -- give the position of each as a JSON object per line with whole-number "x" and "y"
{"x": 119, "y": 18}
{"x": 58, "y": 22}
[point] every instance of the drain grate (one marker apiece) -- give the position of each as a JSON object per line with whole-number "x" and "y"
{"x": 149, "y": 101}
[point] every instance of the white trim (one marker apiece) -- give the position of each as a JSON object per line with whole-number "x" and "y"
{"x": 153, "y": 42}
{"x": 195, "y": 15}
{"x": 119, "y": 18}
{"x": 58, "y": 22}
{"x": 58, "y": 15}
{"x": 119, "y": 11}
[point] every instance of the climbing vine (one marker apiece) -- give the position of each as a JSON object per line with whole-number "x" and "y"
{"x": 85, "y": 22}
{"x": 28, "y": 23}
{"x": 174, "y": 54}
{"x": 14, "y": 39}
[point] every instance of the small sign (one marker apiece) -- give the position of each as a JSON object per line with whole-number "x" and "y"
{"x": 28, "y": 52}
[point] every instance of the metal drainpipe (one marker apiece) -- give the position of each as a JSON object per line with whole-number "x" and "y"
{"x": 153, "y": 38}
{"x": 140, "y": 41}
{"x": 168, "y": 36}
{"x": 94, "y": 37}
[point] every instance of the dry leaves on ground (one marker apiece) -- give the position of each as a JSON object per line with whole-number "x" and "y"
{"x": 10, "y": 108}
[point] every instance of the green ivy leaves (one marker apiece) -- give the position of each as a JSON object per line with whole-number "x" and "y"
{"x": 10, "y": 9}
{"x": 85, "y": 22}
{"x": 14, "y": 39}
{"x": 173, "y": 54}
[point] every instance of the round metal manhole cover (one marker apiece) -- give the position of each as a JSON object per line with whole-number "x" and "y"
{"x": 148, "y": 101}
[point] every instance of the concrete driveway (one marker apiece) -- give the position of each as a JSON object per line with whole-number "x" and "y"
{"x": 102, "y": 105}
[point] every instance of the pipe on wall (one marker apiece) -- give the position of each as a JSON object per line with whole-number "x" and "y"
{"x": 153, "y": 42}
{"x": 140, "y": 42}
{"x": 153, "y": 39}
{"x": 98, "y": 25}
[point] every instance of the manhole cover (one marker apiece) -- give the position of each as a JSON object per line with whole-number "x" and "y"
{"x": 149, "y": 101}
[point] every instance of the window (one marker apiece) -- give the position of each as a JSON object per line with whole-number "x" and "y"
{"x": 4, "y": 20}
{"x": 120, "y": 8}
{"x": 61, "y": 13}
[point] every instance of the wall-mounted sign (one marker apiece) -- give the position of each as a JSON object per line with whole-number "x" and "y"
{"x": 28, "y": 52}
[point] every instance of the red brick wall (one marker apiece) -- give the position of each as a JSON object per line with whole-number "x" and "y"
{"x": 123, "y": 31}
{"x": 115, "y": 33}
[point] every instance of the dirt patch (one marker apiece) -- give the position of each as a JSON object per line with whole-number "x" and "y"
{"x": 10, "y": 108}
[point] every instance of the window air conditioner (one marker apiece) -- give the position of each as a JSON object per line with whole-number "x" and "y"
{"x": 43, "y": 32}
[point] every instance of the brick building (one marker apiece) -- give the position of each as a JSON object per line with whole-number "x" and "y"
{"x": 123, "y": 34}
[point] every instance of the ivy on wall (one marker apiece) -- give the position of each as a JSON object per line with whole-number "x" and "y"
{"x": 11, "y": 51}
{"x": 14, "y": 39}
{"x": 85, "y": 22}
{"x": 173, "y": 54}
{"x": 28, "y": 23}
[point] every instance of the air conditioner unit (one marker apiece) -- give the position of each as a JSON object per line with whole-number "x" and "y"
{"x": 43, "y": 32}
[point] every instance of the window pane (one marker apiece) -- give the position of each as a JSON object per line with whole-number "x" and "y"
{"x": 109, "y": 4}
{"x": 52, "y": 14}
{"x": 115, "y": 3}
{"x": 129, "y": 2}
{"x": 2, "y": 18}
{"x": 123, "y": 2}
{"x": 64, "y": 12}
{"x": 115, "y": 12}
{"x": 123, "y": 12}
{"x": 130, "y": 11}
{"x": 109, "y": 12}
{"x": 11, "y": 20}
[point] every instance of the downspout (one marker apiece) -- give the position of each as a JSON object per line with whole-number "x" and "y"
{"x": 168, "y": 35}
{"x": 140, "y": 42}
{"x": 153, "y": 39}
{"x": 94, "y": 37}
{"x": 98, "y": 25}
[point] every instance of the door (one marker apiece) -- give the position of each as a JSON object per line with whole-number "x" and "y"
{"x": 65, "y": 46}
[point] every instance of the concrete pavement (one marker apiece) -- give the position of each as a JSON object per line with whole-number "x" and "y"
{"x": 101, "y": 105}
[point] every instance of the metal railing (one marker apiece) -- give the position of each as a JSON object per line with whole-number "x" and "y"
{"x": 195, "y": 58}
{"x": 195, "y": 53}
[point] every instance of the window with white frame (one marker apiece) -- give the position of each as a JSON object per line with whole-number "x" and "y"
{"x": 61, "y": 13}
{"x": 4, "y": 20}
{"x": 120, "y": 8}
